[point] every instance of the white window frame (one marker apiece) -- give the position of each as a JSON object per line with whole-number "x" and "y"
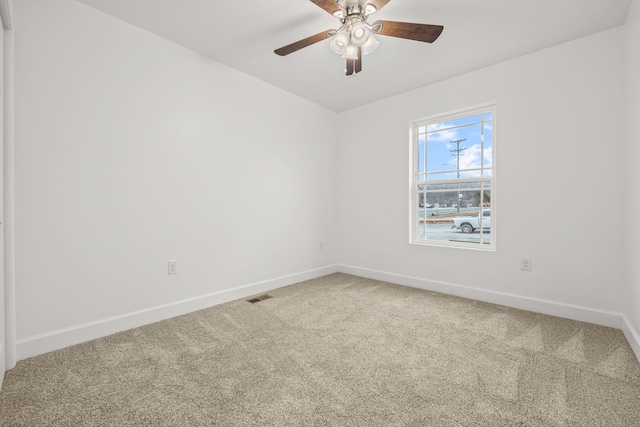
{"x": 414, "y": 183}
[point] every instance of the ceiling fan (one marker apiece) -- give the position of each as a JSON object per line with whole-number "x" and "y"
{"x": 355, "y": 37}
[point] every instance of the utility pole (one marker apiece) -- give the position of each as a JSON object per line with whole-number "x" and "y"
{"x": 457, "y": 155}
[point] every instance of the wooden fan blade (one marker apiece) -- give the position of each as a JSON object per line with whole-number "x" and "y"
{"x": 351, "y": 65}
{"x": 405, "y": 30}
{"x": 358, "y": 65}
{"x": 379, "y": 4}
{"x": 286, "y": 50}
{"x": 330, "y": 6}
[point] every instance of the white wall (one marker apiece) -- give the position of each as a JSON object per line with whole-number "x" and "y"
{"x": 559, "y": 199}
{"x": 3, "y": 347}
{"x": 632, "y": 173}
{"x": 131, "y": 151}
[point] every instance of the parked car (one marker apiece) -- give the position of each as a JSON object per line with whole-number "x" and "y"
{"x": 469, "y": 224}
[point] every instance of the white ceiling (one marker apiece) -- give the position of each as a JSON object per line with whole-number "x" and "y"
{"x": 243, "y": 34}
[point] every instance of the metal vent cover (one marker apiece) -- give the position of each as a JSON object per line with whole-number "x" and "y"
{"x": 260, "y": 298}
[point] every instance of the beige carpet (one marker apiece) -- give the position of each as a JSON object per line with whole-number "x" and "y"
{"x": 336, "y": 351}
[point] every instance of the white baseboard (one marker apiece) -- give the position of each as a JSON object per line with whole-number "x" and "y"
{"x": 632, "y": 335}
{"x": 44, "y": 343}
{"x": 567, "y": 311}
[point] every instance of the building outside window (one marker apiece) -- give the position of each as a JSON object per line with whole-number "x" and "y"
{"x": 453, "y": 179}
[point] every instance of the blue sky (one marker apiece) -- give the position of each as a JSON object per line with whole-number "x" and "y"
{"x": 441, "y": 151}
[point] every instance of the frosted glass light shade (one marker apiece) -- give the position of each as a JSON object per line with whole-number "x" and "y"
{"x": 359, "y": 33}
{"x": 340, "y": 42}
{"x": 370, "y": 45}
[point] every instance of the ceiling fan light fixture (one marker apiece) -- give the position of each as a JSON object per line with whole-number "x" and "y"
{"x": 370, "y": 45}
{"x": 359, "y": 33}
{"x": 340, "y": 42}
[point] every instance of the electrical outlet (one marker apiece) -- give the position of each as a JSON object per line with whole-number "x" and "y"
{"x": 173, "y": 267}
{"x": 525, "y": 264}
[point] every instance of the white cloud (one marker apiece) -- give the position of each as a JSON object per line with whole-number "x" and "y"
{"x": 488, "y": 157}
{"x": 441, "y": 135}
{"x": 470, "y": 158}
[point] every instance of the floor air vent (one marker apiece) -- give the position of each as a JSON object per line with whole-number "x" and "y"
{"x": 260, "y": 298}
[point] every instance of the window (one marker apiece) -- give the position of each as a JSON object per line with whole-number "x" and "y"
{"x": 453, "y": 179}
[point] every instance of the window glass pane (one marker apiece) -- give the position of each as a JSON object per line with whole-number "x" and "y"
{"x": 438, "y": 156}
{"x": 440, "y": 187}
{"x": 443, "y": 127}
{"x": 469, "y": 202}
{"x": 473, "y": 224}
{"x": 466, "y": 150}
{"x": 471, "y": 174}
{"x": 444, "y": 202}
{"x": 459, "y": 150}
{"x": 451, "y": 203}
{"x": 434, "y": 204}
{"x": 421, "y": 152}
{"x": 485, "y": 229}
{"x": 488, "y": 145}
{"x": 421, "y": 198}
{"x": 441, "y": 176}
{"x": 486, "y": 198}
